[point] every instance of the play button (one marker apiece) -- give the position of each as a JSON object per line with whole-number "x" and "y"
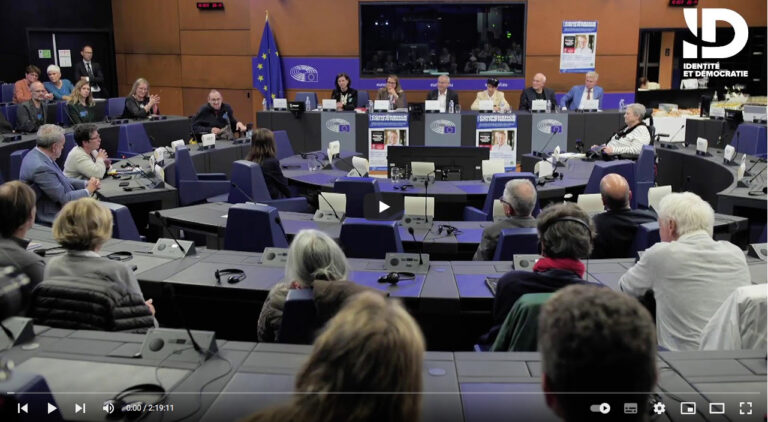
{"x": 380, "y": 206}
{"x": 51, "y": 408}
{"x": 383, "y": 207}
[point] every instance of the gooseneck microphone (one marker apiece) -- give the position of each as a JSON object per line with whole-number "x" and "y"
{"x": 168, "y": 230}
{"x": 329, "y": 205}
{"x": 207, "y": 354}
{"x": 239, "y": 189}
{"x": 421, "y": 245}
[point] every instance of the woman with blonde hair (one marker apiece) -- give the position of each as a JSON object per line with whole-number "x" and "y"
{"x": 393, "y": 93}
{"x": 139, "y": 103}
{"x": 365, "y": 366}
{"x": 81, "y": 107}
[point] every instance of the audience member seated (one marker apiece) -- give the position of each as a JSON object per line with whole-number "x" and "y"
{"x": 629, "y": 140}
{"x": 565, "y": 234}
{"x": 594, "y": 339}
{"x": 616, "y": 226}
{"x": 87, "y": 159}
{"x": 371, "y": 346}
{"x": 264, "y": 152}
{"x": 444, "y": 94}
{"x": 58, "y": 87}
{"x": 537, "y": 91}
{"x": 690, "y": 273}
{"x": 518, "y": 200}
{"x": 82, "y": 228}
{"x": 644, "y": 85}
{"x": 17, "y": 216}
{"x": 491, "y": 93}
{"x": 30, "y": 115}
{"x": 81, "y": 107}
{"x": 5, "y": 125}
{"x": 217, "y": 117}
{"x": 139, "y": 103}
{"x": 314, "y": 262}
{"x": 22, "y": 88}
{"x": 393, "y": 92}
{"x": 344, "y": 94}
{"x": 52, "y": 188}
{"x": 574, "y": 99}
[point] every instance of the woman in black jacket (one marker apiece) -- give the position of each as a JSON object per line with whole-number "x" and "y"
{"x": 139, "y": 104}
{"x": 345, "y": 96}
{"x": 263, "y": 152}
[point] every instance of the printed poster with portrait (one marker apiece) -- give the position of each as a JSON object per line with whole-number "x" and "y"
{"x": 384, "y": 129}
{"x": 499, "y": 133}
{"x": 578, "y": 45}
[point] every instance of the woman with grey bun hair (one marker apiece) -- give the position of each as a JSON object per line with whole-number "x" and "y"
{"x": 314, "y": 262}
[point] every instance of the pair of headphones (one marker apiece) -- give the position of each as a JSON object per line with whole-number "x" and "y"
{"x": 563, "y": 219}
{"x": 120, "y": 256}
{"x": 395, "y": 277}
{"x": 449, "y": 230}
{"x": 119, "y": 408}
{"x": 235, "y": 275}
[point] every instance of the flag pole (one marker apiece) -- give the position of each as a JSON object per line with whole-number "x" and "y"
{"x": 266, "y": 19}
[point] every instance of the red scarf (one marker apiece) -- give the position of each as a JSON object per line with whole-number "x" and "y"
{"x": 569, "y": 264}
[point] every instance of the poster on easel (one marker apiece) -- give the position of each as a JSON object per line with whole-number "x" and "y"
{"x": 384, "y": 129}
{"x": 499, "y": 133}
{"x": 578, "y": 46}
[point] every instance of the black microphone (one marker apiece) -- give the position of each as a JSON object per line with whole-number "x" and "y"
{"x": 248, "y": 197}
{"x": 207, "y": 354}
{"x": 153, "y": 180}
{"x": 421, "y": 245}
{"x": 167, "y": 230}
{"x": 678, "y": 131}
{"x": 759, "y": 160}
{"x": 329, "y": 205}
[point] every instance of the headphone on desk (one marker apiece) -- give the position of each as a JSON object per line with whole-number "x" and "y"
{"x": 395, "y": 277}
{"x": 120, "y": 256}
{"x": 235, "y": 275}
{"x": 118, "y": 408}
{"x": 449, "y": 230}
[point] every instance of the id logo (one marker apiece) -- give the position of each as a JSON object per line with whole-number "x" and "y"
{"x": 443, "y": 127}
{"x": 304, "y": 73}
{"x": 545, "y": 126}
{"x": 338, "y": 125}
{"x": 709, "y": 18}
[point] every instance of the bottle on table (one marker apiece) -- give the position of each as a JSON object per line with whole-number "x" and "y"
{"x": 450, "y": 107}
{"x": 307, "y": 104}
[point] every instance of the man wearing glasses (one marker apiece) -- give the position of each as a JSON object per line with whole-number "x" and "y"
{"x": 31, "y": 114}
{"x": 87, "y": 159}
{"x": 519, "y": 201}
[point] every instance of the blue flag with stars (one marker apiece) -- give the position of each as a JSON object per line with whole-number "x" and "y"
{"x": 267, "y": 69}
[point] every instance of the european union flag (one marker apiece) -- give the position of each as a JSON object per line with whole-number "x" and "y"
{"x": 267, "y": 69}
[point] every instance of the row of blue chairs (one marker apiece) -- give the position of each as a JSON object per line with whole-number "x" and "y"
{"x": 114, "y": 109}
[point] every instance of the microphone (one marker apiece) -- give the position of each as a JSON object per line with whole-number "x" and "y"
{"x": 54, "y": 251}
{"x": 167, "y": 230}
{"x": 207, "y": 354}
{"x": 554, "y": 130}
{"x": 759, "y": 160}
{"x": 757, "y": 175}
{"x": 154, "y": 183}
{"x": 329, "y": 205}
{"x": 239, "y": 189}
{"x": 421, "y": 245}
{"x": 678, "y": 131}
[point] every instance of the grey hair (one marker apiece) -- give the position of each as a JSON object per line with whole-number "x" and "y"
{"x": 637, "y": 109}
{"x": 565, "y": 239}
{"x": 48, "y": 135}
{"x": 522, "y": 200}
{"x": 689, "y": 212}
{"x": 593, "y": 74}
{"x": 313, "y": 255}
{"x": 54, "y": 68}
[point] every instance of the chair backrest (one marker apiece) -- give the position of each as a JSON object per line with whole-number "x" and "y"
{"x": 15, "y": 160}
{"x": 647, "y": 235}
{"x": 356, "y": 188}
{"x": 133, "y": 138}
{"x": 520, "y": 330}
{"x": 302, "y": 96}
{"x": 247, "y": 176}
{"x": 62, "y": 118}
{"x": 69, "y": 143}
{"x": 362, "y": 98}
{"x": 283, "y": 144}
{"x": 10, "y": 114}
{"x": 496, "y": 189}
{"x": 299, "y": 321}
{"x": 739, "y": 323}
{"x": 516, "y": 241}
{"x": 750, "y": 139}
{"x": 625, "y": 168}
{"x": 656, "y": 193}
{"x": 123, "y": 226}
{"x": 184, "y": 168}
{"x": 115, "y": 107}
{"x": 651, "y": 127}
{"x": 591, "y": 203}
{"x": 6, "y": 95}
{"x": 361, "y": 238}
{"x": 644, "y": 175}
{"x": 253, "y": 227}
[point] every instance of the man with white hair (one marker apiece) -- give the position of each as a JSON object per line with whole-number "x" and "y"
{"x": 574, "y": 99}
{"x": 518, "y": 200}
{"x": 537, "y": 91}
{"x": 690, "y": 273}
{"x": 444, "y": 94}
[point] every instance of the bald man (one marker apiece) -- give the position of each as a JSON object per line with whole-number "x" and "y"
{"x": 537, "y": 91}
{"x": 32, "y": 114}
{"x": 215, "y": 116}
{"x": 444, "y": 94}
{"x": 616, "y": 226}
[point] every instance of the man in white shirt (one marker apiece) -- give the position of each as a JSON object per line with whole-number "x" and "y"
{"x": 443, "y": 94}
{"x": 690, "y": 273}
{"x": 578, "y": 96}
{"x": 87, "y": 159}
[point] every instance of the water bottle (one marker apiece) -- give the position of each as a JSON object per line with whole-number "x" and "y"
{"x": 450, "y": 107}
{"x": 264, "y": 104}
{"x": 621, "y": 105}
{"x": 307, "y": 104}
{"x": 549, "y": 106}
{"x": 370, "y": 106}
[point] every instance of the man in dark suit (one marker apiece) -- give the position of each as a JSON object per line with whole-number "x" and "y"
{"x": 30, "y": 115}
{"x": 52, "y": 188}
{"x": 91, "y": 72}
{"x": 616, "y": 227}
{"x": 537, "y": 91}
{"x": 519, "y": 201}
{"x": 444, "y": 94}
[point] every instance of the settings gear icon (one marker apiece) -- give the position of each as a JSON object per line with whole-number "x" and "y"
{"x": 659, "y": 408}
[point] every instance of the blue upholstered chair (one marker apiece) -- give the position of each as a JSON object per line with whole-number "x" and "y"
{"x": 299, "y": 322}
{"x": 496, "y": 188}
{"x": 16, "y": 158}
{"x": 356, "y": 188}
{"x": 253, "y": 227}
{"x": 6, "y": 93}
{"x": 69, "y": 143}
{"x": 647, "y": 235}
{"x": 283, "y": 144}
{"x": 625, "y": 168}
{"x": 361, "y": 238}
{"x": 750, "y": 138}
{"x": 515, "y": 242}
{"x": 123, "y": 226}
{"x": 115, "y": 107}
{"x": 10, "y": 114}
{"x": 644, "y": 175}
{"x": 362, "y": 98}
{"x": 133, "y": 140}
{"x": 302, "y": 96}
{"x": 248, "y": 185}
{"x": 195, "y": 187}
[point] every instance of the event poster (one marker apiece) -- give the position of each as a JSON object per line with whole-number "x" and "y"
{"x": 499, "y": 133}
{"x": 578, "y": 44}
{"x": 384, "y": 129}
